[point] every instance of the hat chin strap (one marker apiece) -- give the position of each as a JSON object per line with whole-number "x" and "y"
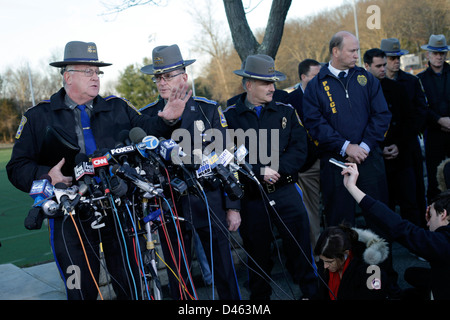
{"x": 252, "y": 76}
{"x": 173, "y": 66}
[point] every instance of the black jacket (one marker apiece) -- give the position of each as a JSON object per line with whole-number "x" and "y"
{"x": 277, "y": 116}
{"x": 433, "y": 246}
{"x": 111, "y": 115}
{"x": 418, "y": 104}
{"x": 401, "y": 129}
{"x": 334, "y": 112}
{"x": 438, "y": 97}
{"x": 295, "y": 99}
{"x": 199, "y": 116}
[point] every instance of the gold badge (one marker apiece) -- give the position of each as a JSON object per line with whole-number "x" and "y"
{"x": 284, "y": 123}
{"x": 362, "y": 80}
{"x": 158, "y": 61}
{"x": 91, "y": 49}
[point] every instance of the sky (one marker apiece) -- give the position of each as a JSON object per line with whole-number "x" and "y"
{"x": 34, "y": 32}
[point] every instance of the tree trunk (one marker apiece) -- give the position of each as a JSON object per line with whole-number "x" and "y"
{"x": 244, "y": 41}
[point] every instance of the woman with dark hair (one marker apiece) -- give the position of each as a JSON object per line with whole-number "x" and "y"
{"x": 351, "y": 264}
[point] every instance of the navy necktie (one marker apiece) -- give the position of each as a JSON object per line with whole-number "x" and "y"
{"x": 342, "y": 77}
{"x": 89, "y": 141}
{"x": 258, "y": 110}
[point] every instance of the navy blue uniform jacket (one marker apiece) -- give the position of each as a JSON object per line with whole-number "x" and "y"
{"x": 334, "y": 113}
{"x": 278, "y": 116}
{"x": 200, "y": 112}
{"x": 110, "y": 116}
{"x": 433, "y": 246}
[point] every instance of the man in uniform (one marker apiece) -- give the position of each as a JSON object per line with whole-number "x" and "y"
{"x": 436, "y": 83}
{"x": 198, "y": 121}
{"x": 346, "y": 114}
{"x": 417, "y": 104}
{"x": 32, "y": 156}
{"x": 278, "y": 126}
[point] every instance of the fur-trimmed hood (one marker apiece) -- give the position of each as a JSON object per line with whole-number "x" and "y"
{"x": 377, "y": 249}
{"x": 443, "y": 175}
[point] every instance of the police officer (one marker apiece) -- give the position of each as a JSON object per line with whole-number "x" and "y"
{"x": 34, "y": 155}
{"x": 277, "y": 127}
{"x": 436, "y": 83}
{"x": 346, "y": 114}
{"x": 417, "y": 103}
{"x": 199, "y": 122}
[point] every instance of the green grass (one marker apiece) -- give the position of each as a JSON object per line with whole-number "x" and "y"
{"x": 19, "y": 245}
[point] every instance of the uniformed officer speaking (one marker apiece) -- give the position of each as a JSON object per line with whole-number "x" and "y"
{"x": 200, "y": 115}
{"x": 33, "y": 155}
{"x": 256, "y": 110}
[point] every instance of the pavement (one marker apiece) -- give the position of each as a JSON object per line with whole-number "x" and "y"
{"x": 42, "y": 282}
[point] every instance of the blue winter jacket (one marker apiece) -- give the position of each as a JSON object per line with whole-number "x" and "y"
{"x": 335, "y": 112}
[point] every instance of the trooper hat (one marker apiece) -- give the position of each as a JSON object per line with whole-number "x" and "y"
{"x": 166, "y": 59}
{"x": 78, "y": 52}
{"x": 261, "y": 67}
{"x": 391, "y": 47}
{"x": 436, "y": 43}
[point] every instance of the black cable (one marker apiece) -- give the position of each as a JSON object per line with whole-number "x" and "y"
{"x": 68, "y": 253}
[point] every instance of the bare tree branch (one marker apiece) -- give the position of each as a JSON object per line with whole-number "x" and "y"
{"x": 275, "y": 27}
{"x": 243, "y": 39}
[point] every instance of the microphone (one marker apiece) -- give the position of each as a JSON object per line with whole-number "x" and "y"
{"x": 118, "y": 187}
{"x": 41, "y": 189}
{"x": 136, "y": 135}
{"x": 66, "y": 197}
{"x": 166, "y": 148}
{"x": 240, "y": 155}
{"x": 149, "y": 148}
{"x": 122, "y": 151}
{"x": 84, "y": 171}
{"x": 176, "y": 160}
{"x": 124, "y": 137}
{"x": 99, "y": 165}
{"x": 229, "y": 182}
{"x": 130, "y": 174}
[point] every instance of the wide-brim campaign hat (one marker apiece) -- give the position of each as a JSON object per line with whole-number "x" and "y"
{"x": 436, "y": 43}
{"x": 391, "y": 47}
{"x": 166, "y": 59}
{"x": 261, "y": 67}
{"x": 78, "y": 52}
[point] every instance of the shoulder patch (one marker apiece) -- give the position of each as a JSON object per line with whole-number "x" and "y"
{"x": 149, "y": 105}
{"x": 203, "y": 99}
{"x": 223, "y": 120}
{"x": 21, "y": 125}
{"x": 123, "y": 99}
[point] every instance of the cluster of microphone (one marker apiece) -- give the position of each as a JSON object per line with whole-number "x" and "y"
{"x": 140, "y": 166}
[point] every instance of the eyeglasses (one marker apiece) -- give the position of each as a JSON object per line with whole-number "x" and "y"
{"x": 89, "y": 72}
{"x": 167, "y": 78}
